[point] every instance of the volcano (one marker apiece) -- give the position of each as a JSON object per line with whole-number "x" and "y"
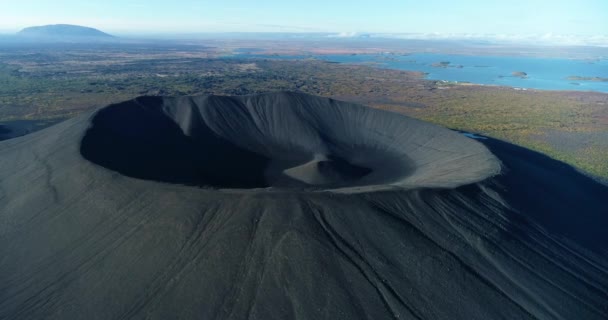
{"x": 291, "y": 206}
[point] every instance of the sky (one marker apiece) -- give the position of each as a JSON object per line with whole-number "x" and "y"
{"x": 509, "y": 17}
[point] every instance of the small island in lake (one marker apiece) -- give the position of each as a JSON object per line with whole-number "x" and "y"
{"x": 442, "y": 64}
{"x": 595, "y": 79}
{"x": 520, "y": 74}
{"x": 446, "y": 64}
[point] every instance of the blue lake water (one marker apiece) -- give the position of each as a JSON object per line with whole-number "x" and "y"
{"x": 542, "y": 73}
{"x": 474, "y": 136}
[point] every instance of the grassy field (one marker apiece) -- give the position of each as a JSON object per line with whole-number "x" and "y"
{"x": 569, "y": 126}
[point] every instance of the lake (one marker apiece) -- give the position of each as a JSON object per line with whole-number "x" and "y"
{"x": 540, "y": 73}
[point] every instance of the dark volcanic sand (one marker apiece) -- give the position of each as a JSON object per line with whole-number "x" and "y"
{"x": 285, "y": 205}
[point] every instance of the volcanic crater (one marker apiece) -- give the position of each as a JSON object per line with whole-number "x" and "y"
{"x": 280, "y": 141}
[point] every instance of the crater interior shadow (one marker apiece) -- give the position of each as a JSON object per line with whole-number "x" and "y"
{"x": 148, "y": 145}
{"x": 141, "y": 141}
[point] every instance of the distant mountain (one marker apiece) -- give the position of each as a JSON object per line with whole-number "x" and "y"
{"x": 64, "y": 31}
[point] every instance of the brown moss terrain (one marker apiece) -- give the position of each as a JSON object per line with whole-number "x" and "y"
{"x": 569, "y": 126}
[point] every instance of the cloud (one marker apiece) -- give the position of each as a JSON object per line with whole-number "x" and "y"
{"x": 524, "y": 39}
{"x": 344, "y": 35}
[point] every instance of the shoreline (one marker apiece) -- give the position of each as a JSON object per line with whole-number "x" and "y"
{"x": 425, "y": 75}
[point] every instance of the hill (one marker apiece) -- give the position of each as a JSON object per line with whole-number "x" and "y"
{"x": 63, "y": 30}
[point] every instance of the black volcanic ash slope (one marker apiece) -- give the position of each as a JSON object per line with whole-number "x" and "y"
{"x": 285, "y": 206}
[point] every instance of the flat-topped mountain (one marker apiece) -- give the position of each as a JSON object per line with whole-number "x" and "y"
{"x": 64, "y": 30}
